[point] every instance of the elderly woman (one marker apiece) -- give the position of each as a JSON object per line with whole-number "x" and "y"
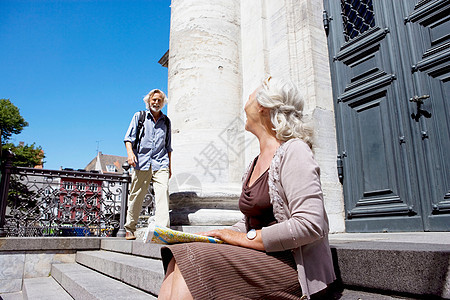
{"x": 280, "y": 249}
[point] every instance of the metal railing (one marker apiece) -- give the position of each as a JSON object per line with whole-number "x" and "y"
{"x": 40, "y": 202}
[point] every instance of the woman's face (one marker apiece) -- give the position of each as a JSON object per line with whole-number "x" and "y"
{"x": 251, "y": 109}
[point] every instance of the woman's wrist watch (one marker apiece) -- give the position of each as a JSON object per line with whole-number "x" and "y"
{"x": 251, "y": 234}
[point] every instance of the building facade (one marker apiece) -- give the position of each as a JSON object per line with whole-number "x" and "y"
{"x": 79, "y": 201}
{"x": 347, "y": 57}
{"x": 219, "y": 53}
{"x": 390, "y": 67}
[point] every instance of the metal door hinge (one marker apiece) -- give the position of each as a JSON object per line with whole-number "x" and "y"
{"x": 340, "y": 166}
{"x": 326, "y": 21}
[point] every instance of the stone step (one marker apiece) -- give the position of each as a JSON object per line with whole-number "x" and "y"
{"x": 348, "y": 294}
{"x": 12, "y": 296}
{"x": 404, "y": 268}
{"x": 43, "y": 288}
{"x": 385, "y": 265}
{"x": 83, "y": 283}
{"x": 136, "y": 247}
{"x": 198, "y": 228}
{"x": 144, "y": 273}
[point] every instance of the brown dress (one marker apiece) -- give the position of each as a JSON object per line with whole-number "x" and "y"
{"x": 222, "y": 271}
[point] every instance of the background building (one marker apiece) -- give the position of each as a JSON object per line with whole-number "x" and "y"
{"x": 106, "y": 164}
{"x": 91, "y": 201}
{"x": 80, "y": 201}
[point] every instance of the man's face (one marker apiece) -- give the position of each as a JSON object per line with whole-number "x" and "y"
{"x": 156, "y": 102}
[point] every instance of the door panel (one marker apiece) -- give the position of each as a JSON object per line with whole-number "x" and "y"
{"x": 428, "y": 28}
{"x": 395, "y": 167}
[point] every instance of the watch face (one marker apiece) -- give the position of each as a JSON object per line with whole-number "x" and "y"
{"x": 251, "y": 234}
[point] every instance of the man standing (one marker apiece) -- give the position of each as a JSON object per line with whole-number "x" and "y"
{"x": 148, "y": 144}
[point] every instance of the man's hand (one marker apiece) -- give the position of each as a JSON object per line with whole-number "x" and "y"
{"x": 132, "y": 159}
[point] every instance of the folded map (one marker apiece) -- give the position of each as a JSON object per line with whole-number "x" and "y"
{"x": 163, "y": 235}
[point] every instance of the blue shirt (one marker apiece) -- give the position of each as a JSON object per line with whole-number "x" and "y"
{"x": 153, "y": 151}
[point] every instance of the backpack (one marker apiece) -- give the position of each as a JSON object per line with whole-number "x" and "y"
{"x": 142, "y": 115}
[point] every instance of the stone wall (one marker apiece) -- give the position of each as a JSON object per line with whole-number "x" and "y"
{"x": 16, "y": 266}
{"x": 219, "y": 53}
{"x": 32, "y": 257}
{"x": 287, "y": 39}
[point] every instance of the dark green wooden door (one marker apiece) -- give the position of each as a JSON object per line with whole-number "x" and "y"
{"x": 390, "y": 67}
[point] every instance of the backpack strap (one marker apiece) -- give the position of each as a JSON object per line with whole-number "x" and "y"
{"x": 167, "y": 121}
{"x": 139, "y": 130}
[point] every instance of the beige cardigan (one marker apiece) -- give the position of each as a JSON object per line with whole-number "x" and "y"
{"x": 297, "y": 200}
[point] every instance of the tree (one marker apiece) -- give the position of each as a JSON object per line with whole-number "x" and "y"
{"x": 25, "y": 155}
{"x": 11, "y": 122}
{"x": 21, "y": 198}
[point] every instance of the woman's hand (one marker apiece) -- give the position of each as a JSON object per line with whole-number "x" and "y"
{"x": 236, "y": 238}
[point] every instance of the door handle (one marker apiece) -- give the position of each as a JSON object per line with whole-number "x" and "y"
{"x": 419, "y": 99}
{"x": 420, "y": 112}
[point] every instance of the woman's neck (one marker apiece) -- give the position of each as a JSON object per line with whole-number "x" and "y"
{"x": 268, "y": 144}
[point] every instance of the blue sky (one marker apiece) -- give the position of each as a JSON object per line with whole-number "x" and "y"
{"x": 78, "y": 70}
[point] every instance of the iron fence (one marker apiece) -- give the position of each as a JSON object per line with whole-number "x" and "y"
{"x": 40, "y": 202}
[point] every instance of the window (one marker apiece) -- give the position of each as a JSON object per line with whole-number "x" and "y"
{"x": 93, "y": 187}
{"x": 111, "y": 168}
{"x": 68, "y": 185}
{"x": 357, "y": 17}
{"x": 81, "y": 186}
{"x": 91, "y": 217}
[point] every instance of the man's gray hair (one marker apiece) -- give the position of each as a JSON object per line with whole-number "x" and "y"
{"x": 150, "y": 95}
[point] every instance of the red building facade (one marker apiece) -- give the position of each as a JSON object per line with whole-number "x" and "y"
{"x": 80, "y": 200}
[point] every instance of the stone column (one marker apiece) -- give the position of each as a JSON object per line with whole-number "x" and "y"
{"x": 204, "y": 91}
{"x": 287, "y": 39}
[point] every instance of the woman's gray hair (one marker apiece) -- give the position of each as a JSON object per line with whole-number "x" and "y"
{"x": 150, "y": 95}
{"x": 286, "y": 109}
